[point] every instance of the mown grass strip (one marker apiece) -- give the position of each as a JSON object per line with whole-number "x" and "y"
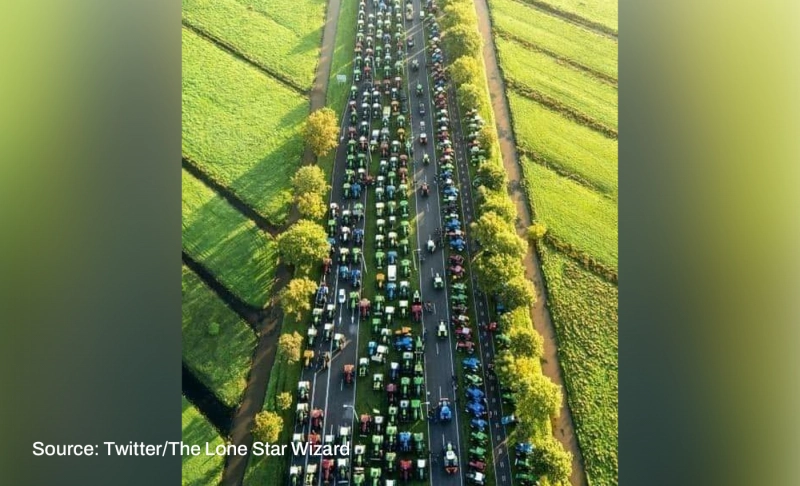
{"x": 559, "y": 141}
{"x": 286, "y": 46}
{"x": 199, "y": 470}
{"x": 585, "y": 315}
{"x": 241, "y": 126}
{"x": 572, "y": 212}
{"x": 565, "y": 40}
{"x": 599, "y": 15}
{"x": 226, "y": 243}
{"x": 562, "y": 88}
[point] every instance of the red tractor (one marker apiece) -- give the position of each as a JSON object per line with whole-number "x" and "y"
{"x": 327, "y": 471}
{"x": 416, "y": 312}
{"x": 405, "y": 470}
{"x": 467, "y": 346}
{"x": 463, "y": 334}
{"x": 317, "y": 417}
{"x": 348, "y": 373}
{"x": 424, "y": 189}
{"x": 366, "y": 424}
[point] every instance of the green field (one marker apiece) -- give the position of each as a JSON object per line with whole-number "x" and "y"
{"x": 584, "y": 311}
{"x": 566, "y": 40}
{"x": 240, "y": 256}
{"x": 573, "y": 213}
{"x": 573, "y": 88}
{"x": 221, "y": 362}
{"x": 199, "y": 470}
{"x": 241, "y": 126}
{"x": 574, "y": 148}
{"x": 284, "y": 37}
{"x": 603, "y": 12}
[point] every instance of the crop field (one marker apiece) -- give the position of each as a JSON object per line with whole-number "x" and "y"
{"x": 241, "y": 126}
{"x": 195, "y": 429}
{"x": 283, "y": 37}
{"x": 573, "y": 88}
{"x": 574, "y": 213}
{"x": 603, "y": 12}
{"x": 574, "y": 148}
{"x": 221, "y": 362}
{"x": 584, "y": 309}
{"x": 567, "y": 40}
{"x": 241, "y": 256}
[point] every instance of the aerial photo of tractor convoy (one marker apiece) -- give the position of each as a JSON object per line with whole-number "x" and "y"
{"x": 400, "y": 242}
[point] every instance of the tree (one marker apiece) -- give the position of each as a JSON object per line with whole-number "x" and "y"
{"x": 492, "y": 175}
{"x": 310, "y": 205}
{"x": 525, "y": 341}
{"x": 494, "y": 270}
{"x": 284, "y": 401}
{"x": 457, "y": 14}
{"x": 539, "y": 398}
{"x": 517, "y": 291}
{"x": 536, "y": 231}
{"x": 497, "y": 235}
{"x": 553, "y": 460}
{"x": 304, "y": 244}
{"x": 465, "y": 69}
{"x": 289, "y": 346}
{"x": 469, "y": 97}
{"x": 321, "y": 131}
{"x": 462, "y": 40}
{"x": 296, "y": 296}
{"x": 487, "y": 137}
{"x": 309, "y": 179}
{"x": 497, "y": 202}
{"x": 267, "y": 426}
{"x": 213, "y": 328}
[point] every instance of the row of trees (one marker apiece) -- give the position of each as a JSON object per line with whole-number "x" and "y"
{"x": 302, "y": 245}
{"x": 498, "y": 266}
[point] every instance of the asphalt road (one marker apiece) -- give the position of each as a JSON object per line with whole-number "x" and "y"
{"x": 329, "y": 392}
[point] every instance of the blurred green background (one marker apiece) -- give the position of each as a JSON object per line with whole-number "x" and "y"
{"x": 709, "y": 216}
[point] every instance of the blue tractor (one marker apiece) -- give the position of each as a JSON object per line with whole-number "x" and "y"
{"x": 474, "y": 393}
{"x": 471, "y": 364}
{"x": 478, "y": 424}
{"x": 392, "y": 257}
{"x": 445, "y": 411}
{"x": 476, "y": 409}
{"x": 355, "y": 277}
{"x": 405, "y": 441}
{"x": 391, "y": 289}
{"x": 405, "y": 343}
{"x": 457, "y": 244}
{"x": 358, "y": 236}
{"x": 453, "y": 225}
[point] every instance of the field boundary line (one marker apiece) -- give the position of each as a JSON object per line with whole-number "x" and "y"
{"x": 230, "y": 49}
{"x": 250, "y": 314}
{"x": 560, "y": 170}
{"x": 226, "y": 193}
{"x": 503, "y": 34}
{"x": 572, "y": 18}
{"x": 560, "y": 108}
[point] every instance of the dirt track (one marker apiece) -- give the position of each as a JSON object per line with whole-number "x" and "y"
{"x": 563, "y": 427}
